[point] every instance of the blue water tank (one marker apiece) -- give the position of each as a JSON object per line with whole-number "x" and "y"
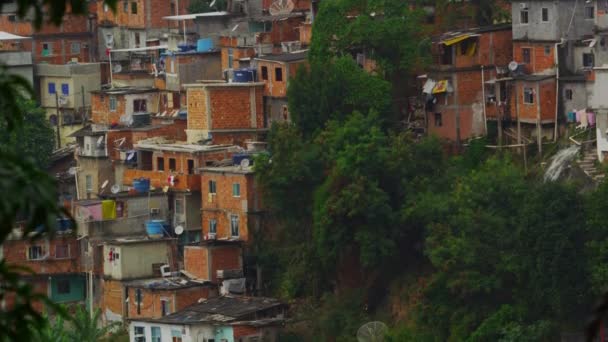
{"x": 205, "y": 44}
{"x": 141, "y": 184}
{"x": 245, "y": 75}
{"x": 155, "y": 229}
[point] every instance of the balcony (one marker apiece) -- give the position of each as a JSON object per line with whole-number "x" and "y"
{"x": 160, "y": 179}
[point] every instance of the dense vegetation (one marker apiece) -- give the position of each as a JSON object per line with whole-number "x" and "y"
{"x": 367, "y": 217}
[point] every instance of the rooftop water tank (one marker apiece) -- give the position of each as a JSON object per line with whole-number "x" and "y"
{"x": 205, "y": 44}
{"x": 154, "y": 228}
{"x": 245, "y": 75}
{"x": 141, "y": 185}
{"x": 141, "y": 119}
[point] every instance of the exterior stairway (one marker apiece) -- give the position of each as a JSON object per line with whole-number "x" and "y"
{"x": 588, "y": 165}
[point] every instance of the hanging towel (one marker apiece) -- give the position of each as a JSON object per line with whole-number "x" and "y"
{"x": 591, "y": 118}
{"x": 108, "y": 209}
{"x": 577, "y": 114}
{"x": 428, "y": 86}
{"x": 583, "y": 116}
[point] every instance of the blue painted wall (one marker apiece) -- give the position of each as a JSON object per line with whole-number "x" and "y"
{"x": 224, "y": 333}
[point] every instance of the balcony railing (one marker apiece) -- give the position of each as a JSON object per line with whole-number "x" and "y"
{"x": 160, "y": 179}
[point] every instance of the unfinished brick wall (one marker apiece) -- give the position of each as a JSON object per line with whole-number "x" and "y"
{"x": 196, "y": 261}
{"x": 231, "y": 107}
{"x": 100, "y": 108}
{"x": 223, "y": 204}
{"x": 542, "y": 56}
{"x": 546, "y": 97}
{"x": 112, "y": 302}
{"x": 237, "y": 53}
{"x": 197, "y": 108}
{"x": 16, "y": 253}
{"x": 178, "y": 299}
{"x": 227, "y": 257}
{"x": 244, "y": 331}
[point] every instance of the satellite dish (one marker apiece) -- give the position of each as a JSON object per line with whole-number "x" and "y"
{"x": 115, "y": 189}
{"x": 117, "y": 68}
{"x": 100, "y": 140}
{"x": 281, "y": 7}
{"x": 131, "y": 155}
{"x": 179, "y": 230}
{"x": 72, "y": 171}
{"x": 372, "y": 332}
{"x": 245, "y": 163}
{"x": 103, "y": 186}
{"x": 513, "y": 66}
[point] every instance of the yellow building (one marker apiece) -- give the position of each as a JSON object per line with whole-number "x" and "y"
{"x": 65, "y": 95}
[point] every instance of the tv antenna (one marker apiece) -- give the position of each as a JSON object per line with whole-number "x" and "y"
{"x": 281, "y": 7}
{"x": 372, "y": 332}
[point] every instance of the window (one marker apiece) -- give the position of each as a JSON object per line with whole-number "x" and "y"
{"x": 526, "y": 55}
{"x": 134, "y": 8}
{"x": 63, "y": 286}
{"x": 589, "y": 12}
{"x": 438, "y": 122}
{"x": 523, "y": 16}
{"x": 51, "y": 86}
{"x": 176, "y": 335}
{"x": 179, "y": 205}
{"x": 62, "y": 251}
{"x": 113, "y": 103}
{"x": 138, "y": 300}
{"x": 569, "y": 94}
{"x": 164, "y": 307}
{"x": 588, "y": 60}
{"x": 47, "y": 49}
{"x": 236, "y": 190}
{"x": 75, "y": 48}
{"x": 140, "y": 105}
{"x": 544, "y": 16}
{"x": 155, "y": 332}
{"x": 12, "y": 18}
{"x": 212, "y": 226}
{"x": 190, "y": 166}
{"x": 88, "y": 179}
{"x": 160, "y": 164}
{"x": 139, "y": 334}
{"x": 265, "y": 73}
{"x": 234, "y": 225}
{"x": 65, "y": 89}
{"x": 278, "y": 74}
{"x": 125, "y": 6}
{"x": 528, "y": 96}
{"x": 137, "y": 39}
{"x": 547, "y": 50}
{"x": 212, "y": 187}
{"x": 172, "y": 164}
{"x": 230, "y": 58}
{"x": 35, "y": 253}
{"x": 173, "y": 8}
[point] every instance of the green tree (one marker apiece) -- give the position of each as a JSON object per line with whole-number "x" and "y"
{"x": 35, "y": 138}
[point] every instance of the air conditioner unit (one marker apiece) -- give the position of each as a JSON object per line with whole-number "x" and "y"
{"x": 210, "y": 236}
{"x": 523, "y": 6}
{"x": 164, "y": 271}
{"x": 154, "y": 211}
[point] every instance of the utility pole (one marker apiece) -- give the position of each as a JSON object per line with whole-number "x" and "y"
{"x": 83, "y": 105}
{"x": 58, "y": 121}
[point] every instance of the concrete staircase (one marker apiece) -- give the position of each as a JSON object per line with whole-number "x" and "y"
{"x": 588, "y": 165}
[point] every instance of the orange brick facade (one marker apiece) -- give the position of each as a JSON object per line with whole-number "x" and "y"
{"x": 543, "y": 107}
{"x": 223, "y": 205}
{"x": 150, "y": 306}
{"x": 204, "y": 261}
{"x": 172, "y": 131}
{"x": 16, "y": 253}
{"x": 274, "y": 87}
{"x": 542, "y": 56}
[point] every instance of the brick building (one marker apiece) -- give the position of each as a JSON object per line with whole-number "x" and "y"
{"x": 276, "y": 71}
{"x": 158, "y": 297}
{"x": 231, "y": 203}
{"x": 117, "y": 106}
{"x": 54, "y": 265}
{"x": 457, "y": 81}
{"x": 202, "y": 261}
{"x": 225, "y": 113}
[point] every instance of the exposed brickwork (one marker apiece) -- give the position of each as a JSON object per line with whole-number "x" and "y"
{"x": 273, "y": 87}
{"x": 244, "y": 331}
{"x": 100, "y": 108}
{"x": 196, "y": 261}
{"x": 150, "y": 307}
{"x": 545, "y": 99}
{"x": 16, "y": 253}
{"x": 237, "y": 53}
{"x": 305, "y": 33}
{"x": 173, "y": 131}
{"x": 113, "y": 298}
{"x": 223, "y": 204}
{"x": 542, "y": 56}
{"x": 197, "y": 109}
